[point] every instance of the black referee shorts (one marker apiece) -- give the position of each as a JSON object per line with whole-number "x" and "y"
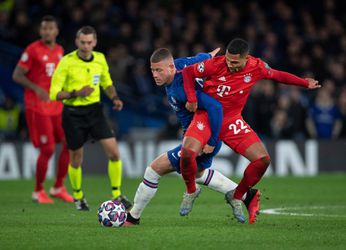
{"x": 82, "y": 122}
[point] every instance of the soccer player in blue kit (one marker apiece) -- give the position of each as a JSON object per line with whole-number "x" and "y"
{"x": 168, "y": 72}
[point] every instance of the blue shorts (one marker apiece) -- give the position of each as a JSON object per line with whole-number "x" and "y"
{"x": 204, "y": 161}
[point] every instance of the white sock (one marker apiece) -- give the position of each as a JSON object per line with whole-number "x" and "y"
{"x": 217, "y": 181}
{"x": 145, "y": 192}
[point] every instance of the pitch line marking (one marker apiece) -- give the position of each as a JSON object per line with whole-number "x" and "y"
{"x": 281, "y": 211}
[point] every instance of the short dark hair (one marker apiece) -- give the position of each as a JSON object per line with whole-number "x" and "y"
{"x": 86, "y": 30}
{"x": 49, "y": 18}
{"x": 238, "y": 46}
{"x": 160, "y": 54}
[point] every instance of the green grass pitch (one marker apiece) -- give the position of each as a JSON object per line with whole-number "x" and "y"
{"x": 312, "y": 215}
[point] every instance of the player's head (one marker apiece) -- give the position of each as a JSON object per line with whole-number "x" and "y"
{"x": 86, "y": 40}
{"x": 49, "y": 29}
{"x": 162, "y": 66}
{"x": 236, "y": 54}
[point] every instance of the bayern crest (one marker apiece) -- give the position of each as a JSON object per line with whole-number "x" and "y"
{"x": 247, "y": 78}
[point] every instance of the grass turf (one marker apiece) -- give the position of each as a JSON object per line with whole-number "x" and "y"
{"x": 26, "y": 225}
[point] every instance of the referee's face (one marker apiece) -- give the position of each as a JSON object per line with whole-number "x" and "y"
{"x": 85, "y": 44}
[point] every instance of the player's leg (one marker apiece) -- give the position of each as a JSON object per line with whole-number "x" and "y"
{"x": 148, "y": 187}
{"x": 110, "y": 146}
{"x": 196, "y": 136}
{"x": 259, "y": 162}
{"x": 59, "y": 190}
{"x": 76, "y": 135}
{"x": 41, "y": 135}
{"x": 245, "y": 141}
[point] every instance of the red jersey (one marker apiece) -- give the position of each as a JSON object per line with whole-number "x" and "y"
{"x": 41, "y": 61}
{"x": 232, "y": 89}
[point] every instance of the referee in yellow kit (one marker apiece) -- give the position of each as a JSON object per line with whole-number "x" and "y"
{"x": 77, "y": 81}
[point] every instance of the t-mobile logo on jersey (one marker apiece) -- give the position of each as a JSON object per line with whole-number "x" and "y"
{"x": 50, "y": 67}
{"x": 223, "y": 90}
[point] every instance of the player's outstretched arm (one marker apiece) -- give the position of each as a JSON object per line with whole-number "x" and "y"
{"x": 312, "y": 83}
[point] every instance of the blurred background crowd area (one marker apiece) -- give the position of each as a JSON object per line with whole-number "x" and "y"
{"x": 306, "y": 38}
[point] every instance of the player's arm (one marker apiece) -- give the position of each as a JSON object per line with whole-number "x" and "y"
{"x": 108, "y": 87}
{"x": 112, "y": 94}
{"x": 57, "y": 92}
{"x": 288, "y": 78}
{"x": 203, "y": 56}
{"x": 215, "y": 115}
{"x": 198, "y": 70}
{"x": 19, "y": 76}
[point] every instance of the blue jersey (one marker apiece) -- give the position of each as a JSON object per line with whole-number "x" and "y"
{"x": 177, "y": 98}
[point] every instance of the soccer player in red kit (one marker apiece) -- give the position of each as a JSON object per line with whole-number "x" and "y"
{"x": 34, "y": 71}
{"x": 229, "y": 79}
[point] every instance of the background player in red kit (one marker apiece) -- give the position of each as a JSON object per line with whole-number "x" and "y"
{"x": 34, "y": 71}
{"x": 229, "y": 79}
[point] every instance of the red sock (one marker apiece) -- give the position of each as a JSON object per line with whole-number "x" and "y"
{"x": 46, "y": 151}
{"x": 188, "y": 168}
{"x": 62, "y": 166}
{"x": 252, "y": 174}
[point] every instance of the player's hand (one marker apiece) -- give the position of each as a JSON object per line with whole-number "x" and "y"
{"x": 118, "y": 104}
{"x": 214, "y": 52}
{"x": 44, "y": 96}
{"x": 191, "y": 106}
{"x": 85, "y": 91}
{"x": 208, "y": 149}
{"x": 313, "y": 84}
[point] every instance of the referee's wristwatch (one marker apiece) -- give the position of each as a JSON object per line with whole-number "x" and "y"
{"x": 73, "y": 94}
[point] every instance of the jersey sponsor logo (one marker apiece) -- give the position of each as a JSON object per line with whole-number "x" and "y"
{"x": 96, "y": 79}
{"x": 50, "y": 67}
{"x": 247, "y": 78}
{"x": 200, "y": 67}
{"x": 200, "y": 125}
{"x": 24, "y": 57}
{"x": 222, "y": 78}
{"x": 223, "y": 90}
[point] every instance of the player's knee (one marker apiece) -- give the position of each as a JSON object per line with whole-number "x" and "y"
{"x": 187, "y": 154}
{"x": 47, "y": 150}
{"x": 114, "y": 156}
{"x": 266, "y": 160}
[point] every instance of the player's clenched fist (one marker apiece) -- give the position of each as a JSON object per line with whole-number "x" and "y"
{"x": 191, "y": 106}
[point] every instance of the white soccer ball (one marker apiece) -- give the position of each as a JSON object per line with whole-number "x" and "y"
{"x": 111, "y": 214}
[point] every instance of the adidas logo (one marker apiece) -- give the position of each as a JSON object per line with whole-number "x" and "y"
{"x": 222, "y": 78}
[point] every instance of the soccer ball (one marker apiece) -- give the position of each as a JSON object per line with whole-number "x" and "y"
{"x": 111, "y": 214}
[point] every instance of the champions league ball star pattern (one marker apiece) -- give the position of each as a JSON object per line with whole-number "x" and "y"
{"x": 112, "y": 214}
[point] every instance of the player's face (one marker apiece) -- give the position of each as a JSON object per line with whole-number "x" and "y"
{"x": 163, "y": 72}
{"x": 85, "y": 44}
{"x": 235, "y": 62}
{"x": 48, "y": 31}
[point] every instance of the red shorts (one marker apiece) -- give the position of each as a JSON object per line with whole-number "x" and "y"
{"x": 237, "y": 134}
{"x": 44, "y": 129}
{"x": 199, "y": 127}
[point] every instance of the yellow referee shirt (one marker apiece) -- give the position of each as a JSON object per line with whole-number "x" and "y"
{"x": 73, "y": 73}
